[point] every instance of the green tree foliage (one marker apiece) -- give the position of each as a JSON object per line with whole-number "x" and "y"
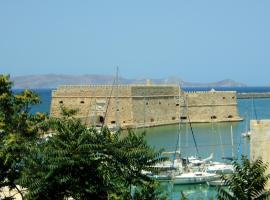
{"x": 149, "y": 191}
{"x": 15, "y": 117}
{"x": 18, "y": 128}
{"x": 72, "y": 160}
{"x": 84, "y": 163}
{"x": 247, "y": 183}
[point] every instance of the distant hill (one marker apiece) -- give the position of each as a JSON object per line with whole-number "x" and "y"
{"x": 54, "y": 80}
{"x": 222, "y": 83}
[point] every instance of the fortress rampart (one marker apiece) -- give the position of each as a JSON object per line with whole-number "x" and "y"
{"x": 131, "y": 106}
{"x": 217, "y": 106}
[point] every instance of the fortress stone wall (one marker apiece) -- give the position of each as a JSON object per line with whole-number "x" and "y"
{"x": 155, "y": 105}
{"x": 143, "y": 105}
{"x": 217, "y": 106}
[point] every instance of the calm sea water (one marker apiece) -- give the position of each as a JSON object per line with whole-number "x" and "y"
{"x": 210, "y": 137}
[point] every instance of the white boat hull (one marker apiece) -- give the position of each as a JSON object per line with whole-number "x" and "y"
{"x": 220, "y": 168}
{"x": 162, "y": 177}
{"x": 194, "y": 178}
{"x": 216, "y": 183}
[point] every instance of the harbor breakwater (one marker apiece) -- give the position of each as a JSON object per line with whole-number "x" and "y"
{"x": 251, "y": 95}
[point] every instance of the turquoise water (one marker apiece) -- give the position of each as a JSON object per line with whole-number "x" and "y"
{"x": 211, "y": 138}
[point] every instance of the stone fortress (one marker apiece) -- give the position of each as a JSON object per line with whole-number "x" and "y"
{"x": 133, "y": 106}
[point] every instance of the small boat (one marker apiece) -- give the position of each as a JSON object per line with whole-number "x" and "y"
{"x": 194, "y": 178}
{"x": 219, "y": 168}
{"x": 161, "y": 177}
{"x": 246, "y": 134}
{"x": 216, "y": 183}
{"x": 171, "y": 164}
{"x": 167, "y": 168}
{"x": 195, "y": 161}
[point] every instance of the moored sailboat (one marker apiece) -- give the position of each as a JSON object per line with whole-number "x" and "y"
{"x": 194, "y": 178}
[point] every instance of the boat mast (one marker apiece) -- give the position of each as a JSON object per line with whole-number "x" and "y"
{"x": 232, "y": 141}
{"x": 178, "y": 145}
{"x": 252, "y": 103}
{"x": 179, "y": 124}
{"x": 254, "y": 109}
{"x": 217, "y": 128}
{"x": 117, "y": 100}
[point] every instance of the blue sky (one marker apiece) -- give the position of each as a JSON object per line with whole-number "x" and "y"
{"x": 199, "y": 41}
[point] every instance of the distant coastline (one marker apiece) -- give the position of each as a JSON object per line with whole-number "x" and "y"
{"x": 45, "y": 94}
{"x": 54, "y": 80}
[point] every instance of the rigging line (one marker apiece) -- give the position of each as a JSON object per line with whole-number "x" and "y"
{"x": 177, "y": 144}
{"x": 239, "y": 146}
{"x": 255, "y": 112}
{"x": 88, "y": 114}
{"x": 220, "y": 140}
{"x": 214, "y": 130}
{"x": 108, "y": 105}
{"x": 117, "y": 100}
{"x": 191, "y": 129}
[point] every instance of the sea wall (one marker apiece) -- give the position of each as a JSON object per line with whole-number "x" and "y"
{"x": 251, "y": 95}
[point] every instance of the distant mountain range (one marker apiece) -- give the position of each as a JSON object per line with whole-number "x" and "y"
{"x": 54, "y": 80}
